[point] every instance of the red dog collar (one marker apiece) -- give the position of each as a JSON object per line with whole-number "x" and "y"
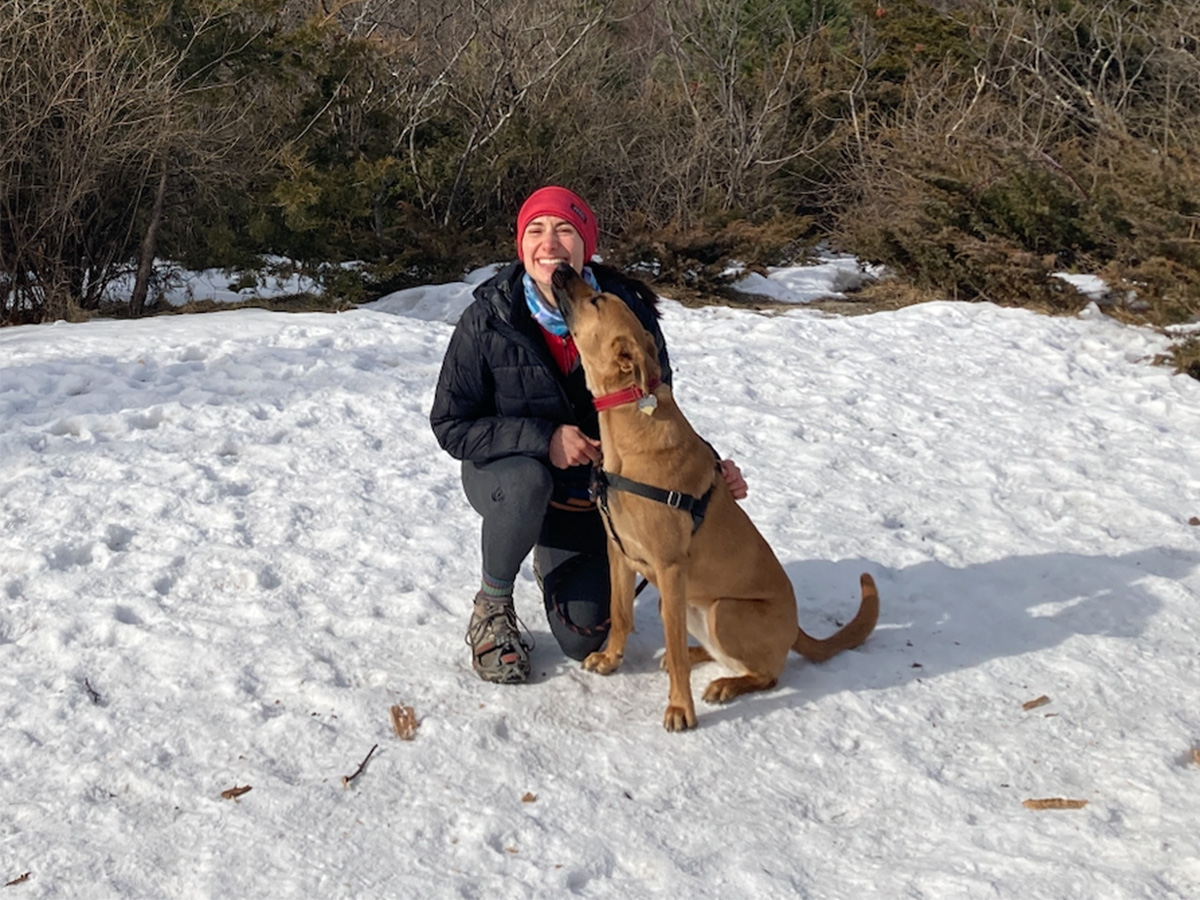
{"x": 631, "y": 394}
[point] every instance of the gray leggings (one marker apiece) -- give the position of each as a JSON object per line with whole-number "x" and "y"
{"x": 570, "y": 549}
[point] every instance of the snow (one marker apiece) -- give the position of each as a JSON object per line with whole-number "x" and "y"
{"x": 829, "y": 278}
{"x": 1091, "y": 286}
{"x": 178, "y": 287}
{"x": 229, "y": 544}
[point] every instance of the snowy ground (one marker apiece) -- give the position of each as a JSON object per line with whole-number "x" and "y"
{"x": 229, "y": 543}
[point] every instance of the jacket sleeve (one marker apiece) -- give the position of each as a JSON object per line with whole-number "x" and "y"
{"x": 464, "y": 415}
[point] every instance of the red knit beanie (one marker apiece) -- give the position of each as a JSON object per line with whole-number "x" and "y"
{"x": 567, "y": 205}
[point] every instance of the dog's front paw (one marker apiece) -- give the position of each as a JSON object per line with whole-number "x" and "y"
{"x": 677, "y": 718}
{"x": 601, "y": 662}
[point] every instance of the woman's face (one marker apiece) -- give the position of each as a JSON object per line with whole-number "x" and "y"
{"x": 547, "y": 241}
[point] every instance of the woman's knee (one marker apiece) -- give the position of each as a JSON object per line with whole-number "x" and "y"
{"x": 519, "y": 483}
{"x": 579, "y": 646}
{"x": 576, "y": 596}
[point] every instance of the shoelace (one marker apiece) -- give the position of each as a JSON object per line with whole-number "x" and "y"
{"x": 508, "y": 613}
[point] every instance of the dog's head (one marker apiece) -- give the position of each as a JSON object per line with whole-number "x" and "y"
{"x": 614, "y": 348}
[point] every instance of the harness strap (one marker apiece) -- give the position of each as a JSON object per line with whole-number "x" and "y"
{"x": 696, "y": 506}
{"x": 601, "y": 481}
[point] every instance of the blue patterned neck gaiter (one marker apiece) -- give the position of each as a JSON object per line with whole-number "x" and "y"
{"x": 543, "y": 313}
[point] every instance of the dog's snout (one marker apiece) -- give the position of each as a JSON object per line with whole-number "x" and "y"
{"x": 560, "y": 283}
{"x": 563, "y": 273}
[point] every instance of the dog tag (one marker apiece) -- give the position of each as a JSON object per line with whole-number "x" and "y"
{"x": 648, "y": 404}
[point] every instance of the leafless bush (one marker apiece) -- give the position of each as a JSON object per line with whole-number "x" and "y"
{"x": 740, "y": 72}
{"x": 659, "y": 113}
{"x": 100, "y": 117}
{"x": 1063, "y": 130}
{"x": 84, "y": 109}
{"x": 484, "y": 69}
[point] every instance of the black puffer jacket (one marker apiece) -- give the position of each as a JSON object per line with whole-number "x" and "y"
{"x": 500, "y": 393}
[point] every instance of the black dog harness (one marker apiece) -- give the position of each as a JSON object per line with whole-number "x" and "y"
{"x": 602, "y": 482}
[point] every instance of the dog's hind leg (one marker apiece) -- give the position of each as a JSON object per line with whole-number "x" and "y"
{"x": 749, "y": 637}
{"x": 722, "y": 690}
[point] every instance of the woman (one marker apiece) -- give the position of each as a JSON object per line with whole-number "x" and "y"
{"x": 512, "y": 404}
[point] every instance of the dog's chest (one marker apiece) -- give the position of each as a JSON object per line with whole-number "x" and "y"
{"x": 632, "y": 534}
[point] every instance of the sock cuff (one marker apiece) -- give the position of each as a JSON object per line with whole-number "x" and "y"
{"x": 496, "y": 587}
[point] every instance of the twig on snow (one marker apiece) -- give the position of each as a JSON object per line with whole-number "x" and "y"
{"x": 346, "y": 779}
{"x": 1054, "y": 803}
{"x": 93, "y": 693}
{"x": 20, "y": 879}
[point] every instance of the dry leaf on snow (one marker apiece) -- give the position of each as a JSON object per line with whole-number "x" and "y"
{"x": 404, "y": 722}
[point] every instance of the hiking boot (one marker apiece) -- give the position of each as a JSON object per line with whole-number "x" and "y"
{"x": 498, "y": 651}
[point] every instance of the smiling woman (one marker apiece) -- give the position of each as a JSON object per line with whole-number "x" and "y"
{"x": 512, "y": 404}
{"x": 554, "y": 225}
{"x": 548, "y": 241}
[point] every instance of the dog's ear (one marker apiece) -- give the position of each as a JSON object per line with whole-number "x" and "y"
{"x": 631, "y": 359}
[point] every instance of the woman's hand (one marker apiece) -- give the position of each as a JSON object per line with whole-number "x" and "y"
{"x": 571, "y": 447}
{"x": 733, "y": 478}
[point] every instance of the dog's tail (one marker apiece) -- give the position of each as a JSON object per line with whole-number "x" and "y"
{"x": 851, "y": 635}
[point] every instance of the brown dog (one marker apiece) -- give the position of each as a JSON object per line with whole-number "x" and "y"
{"x": 671, "y": 517}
